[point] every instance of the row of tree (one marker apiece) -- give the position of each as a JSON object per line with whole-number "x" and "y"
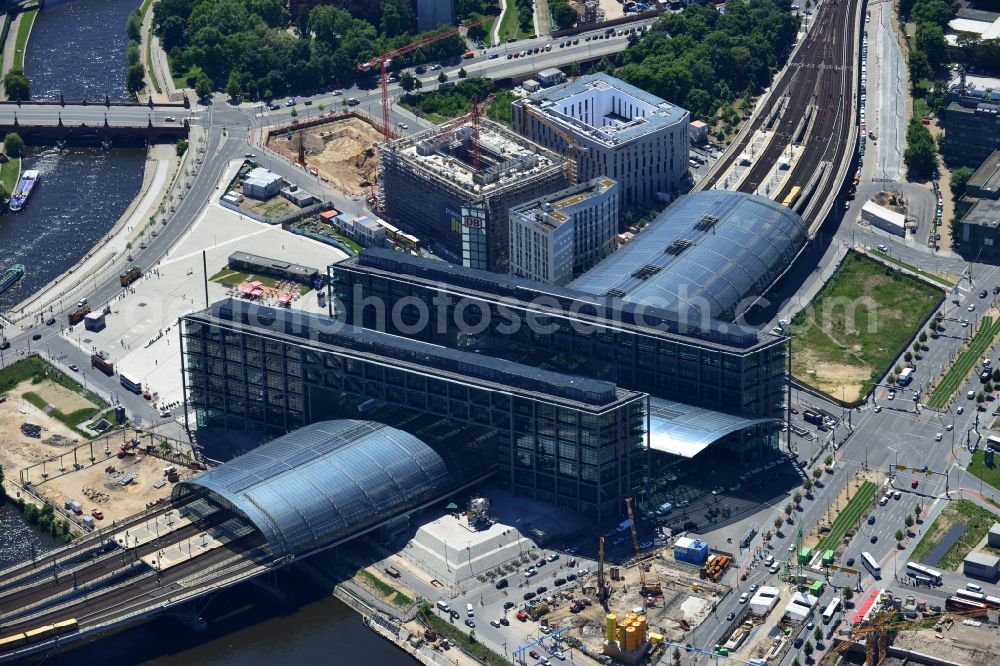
{"x": 247, "y": 43}
{"x": 457, "y": 100}
{"x": 135, "y": 73}
{"x": 929, "y": 51}
{"x": 701, "y": 59}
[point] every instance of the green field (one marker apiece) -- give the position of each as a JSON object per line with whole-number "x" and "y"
{"x": 983, "y": 340}
{"x": 977, "y": 521}
{"x": 388, "y": 592}
{"x": 977, "y": 467}
{"x": 861, "y": 320}
{"x": 849, "y": 517}
{"x": 9, "y": 173}
{"x": 508, "y": 24}
{"x": 23, "y": 30}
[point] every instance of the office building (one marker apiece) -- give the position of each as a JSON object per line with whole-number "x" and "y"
{"x": 979, "y": 229}
{"x": 558, "y": 236}
{"x": 454, "y": 187}
{"x": 972, "y": 126}
{"x": 622, "y": 132}
{"x": 985, "y": 182}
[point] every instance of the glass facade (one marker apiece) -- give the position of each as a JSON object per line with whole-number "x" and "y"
{"x": 581, "y": 444}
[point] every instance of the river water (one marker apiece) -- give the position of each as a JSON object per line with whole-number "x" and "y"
{"x": 77, "y": 47}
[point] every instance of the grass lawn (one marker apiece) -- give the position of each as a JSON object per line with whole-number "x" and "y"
{"x": 186, "y": 79}
{"x": 460, "y": 638}
{"x": 977, "y": 521}
{"x": 983, "y": 340}
{"x": 390, "y": 593}
{"x": 23, "y": 30}
{"x": 229, "y": 278}
{"x": 37, "y": 370}
{"x": 849, "y": 517}
{"x": 72, "y": 420}
{"x": 860, "y": 321}
{"x": 9, "y": 173}
{"x": 509, "y": 26}
{"x": 940, "y": 279}
{"x": 977, "y": 467}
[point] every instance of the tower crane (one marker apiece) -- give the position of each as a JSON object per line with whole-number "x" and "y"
{"x": 382, "y": 62}
{"x": 477, "y": 110}
{"x": 572, "y": 147}
{"x": 646, "y": 587}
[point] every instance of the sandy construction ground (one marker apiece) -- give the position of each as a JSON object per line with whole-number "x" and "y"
{"x": 17, "y": 450}
{"x": 343, "y": 151}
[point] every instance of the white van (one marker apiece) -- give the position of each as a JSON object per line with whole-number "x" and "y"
{"x": 469, "y": 611}
{"x": 972, "y": 587}
{"x": 444, "y": 607}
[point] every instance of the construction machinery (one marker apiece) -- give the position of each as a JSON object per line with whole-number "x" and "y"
{"x": 646, "y": 587}
{"x": 457, "y": 123}
{"x": 572, "y": 147}
{"x": 602, "y": 588}
{"x": 383, "y": 61}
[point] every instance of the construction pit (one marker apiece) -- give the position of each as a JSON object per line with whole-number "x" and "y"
{"x": 685, "y": 602}
{"x": 342, "y": 151}
{"x": 958, "y": 642}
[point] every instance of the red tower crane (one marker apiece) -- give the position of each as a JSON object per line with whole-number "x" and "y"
{"x": 383, "y": 61}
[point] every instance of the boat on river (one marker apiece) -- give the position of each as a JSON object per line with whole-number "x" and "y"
{"x": 11, "y": 276}
{"x": 23, "y": 190}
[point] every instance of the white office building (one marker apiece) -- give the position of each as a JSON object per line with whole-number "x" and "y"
{"x": 622, "y": 132}
{"x": 558, "y": 236}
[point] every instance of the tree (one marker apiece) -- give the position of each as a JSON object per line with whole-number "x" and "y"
{"x": 807, "y": 485}
{"x": 133, "y": 27}
{"x": 135, "y": 78}
{"x": 908, "y": 356}
{"x": 920, "y": 68}
{"x": 677, "y": 655}
{"x": 923, "y": 337}
{"x": 13, "y": 144}
{"x": 409, "y": 82}
{"x": 808, "y": 648}
{"x": 574, "y": 69}
{"x": 302, "y": 21}
{"x": 848, "y": 594}
{"x": 921, "y": 151}
{"x": 898, "y": 368}
{"x": 959, "y": 179}
{"x": 797, "y": 498}
{"x": 788, "y": 508}
{"x": 817, "y": 473}
{"x": 17, "y": 85}
{"x": 917, "y": 510}
{"x": 203, "y": 87}
{"x": 930, "y": 40}
{"x": 828, "y": 460}
{"x": 181, "y": 147}
{"x": 294, "y": 113}
{"x": 899, "y": 536}
{"x": 980, "y": 398}
{"x": 778, "y": 522}
{"x": 996, "y": 374}
{"x": 909, "y": 520}
{"x": 796, "y": 662}
{"x": 132, "y": 55}
{"x": 818, "y": 634}
{"x": 563, "y": 15}
{"x": 442, "y": 77}
{"x": 988, "y": 387}
{"x": 916, "y": 346}
{"x": 233, "y": 87}
{"x": 462, "y": 73}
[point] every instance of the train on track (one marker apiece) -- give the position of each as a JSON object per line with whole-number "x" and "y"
{"x": 38, "y": 635}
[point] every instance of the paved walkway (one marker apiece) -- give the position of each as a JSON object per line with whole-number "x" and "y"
{"x": 8, "y": 51}
{"x": 495, "y": 31}
{"x": 542, "y": 18}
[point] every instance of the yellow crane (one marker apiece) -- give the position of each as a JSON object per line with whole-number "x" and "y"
{"x": 646, "y": 587}
{"x": 572, "y": 147}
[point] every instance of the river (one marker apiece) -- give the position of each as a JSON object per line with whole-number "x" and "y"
{"x": 78, "y": 48}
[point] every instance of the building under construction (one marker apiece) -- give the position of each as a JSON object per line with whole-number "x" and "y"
{"x": 454, "y": 190}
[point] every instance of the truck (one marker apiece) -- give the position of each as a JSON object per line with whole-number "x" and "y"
{"x": 812, "y": 417}
{"x": 905, "y": 377}
{"x": 102, "y": 364}
{"x": 130, "y": 276}
{"x": 76, "y": 316}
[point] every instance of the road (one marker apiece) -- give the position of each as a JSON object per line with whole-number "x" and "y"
{"x": 92, "y": 114}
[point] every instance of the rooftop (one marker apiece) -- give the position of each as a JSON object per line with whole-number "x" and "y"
{"x": 540, "y": 297}
{"x": 261, "y": 177}
{"x": 984, "y": 213}
{"x": 702, "y": 256}
{"x": 265, "y": 263}
{"x": 549, "y": 209}
{"x": 323, "y": 332}
{"x": 985, "y": 559}
{"x": 446, "y": 152}
{"x": 616, "y": 111}
{"x": 987, "y": 176}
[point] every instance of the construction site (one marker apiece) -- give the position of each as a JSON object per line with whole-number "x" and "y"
{"x": 341, "y": 149}
{"x": 470, "y": 163}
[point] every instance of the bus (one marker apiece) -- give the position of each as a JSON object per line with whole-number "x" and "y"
{"x": 831, "y": 610}
{"x": 965, "y": 606}
{"x": 917, "y": 570}
{"x": 971, "y": 596}
{"x": 133, "y": 386}
{"x": 792, "y": 197}
{"x": 993, "y": 442}
{"x": 992, "y": 602}
{"x": 873, "y": 568}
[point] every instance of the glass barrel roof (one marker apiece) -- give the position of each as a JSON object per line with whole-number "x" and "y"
{"x": 326, "y": 481}
{"x": 686, "y": 430}
{"x": 702, "y": 255}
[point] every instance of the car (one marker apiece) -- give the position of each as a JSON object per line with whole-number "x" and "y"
{"x": 533, "y": 654}
{"x": 937, "y": 437}
{"x": 914, "y": 483}
{"x": 965, "y": 323}
{"x": 809, "y": 625}
{"x": 50, "y": 321}
{"x": 972, "y": 587}
{"x": 776, "y": 567}
{"x": 274, "y": 107}
{"x": 523, "y": 53}
{"x": 539, "y": 564}
{"x": 97, "y": 513}
{"x": 502, "y": 583}
{"x": 337, "y": 93}
{"x": 544, "y": 661}
{"x": 402, "y": 126}
{"x": 744, "y": 598}
{"x": 495, "y": 623}
{"x": 552, "y": 557}
{"x": 435, "y": 67}
{"x": 971, "y": 395}
{"x": 548, "y": 47}
{"x": 576, "y": 41}
{"x": 494, "y": 56}
{"x": 170, "y": 119}
{"x": 791, "y": 547}
{"x": 36, "y": 336}
{"x": 571, "y": 577}
{"x": 949, "y": 427}
{"x": 588, "y": 38}
{"x": 583, "y": 572}
{"x": 510, "y": 55}
{"x": 617, "y": 542}
{"x": 731, "y": 616}
{"x": 850, "y": 561}
{"x": 878, "y": 408}
{"x": 892, "y": 395}
{"x": 558, "y": 654}
{"x": 291, "y": 102}
{"x": 541, "y": 589}
{"x": 982, "y": 294}
{"x": 972, "y": 307}
{"x": 754, "y": 587}
{"x": 529, "y": 572}
{"x": 5, "y": 344}
{"x": 420, "y": 69}
{"x": 505, "y": 622}
{"x": 455, "y": 614}
{"x": 874, "y": 538}
{"x": 353, "y": 101}
{"x": 960, "y": 410}
{"x": 793, "y": 410}
{"x": 469, "y": 622}
{"x": 798, "y": 642}
{"x": 528, "y": 596}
